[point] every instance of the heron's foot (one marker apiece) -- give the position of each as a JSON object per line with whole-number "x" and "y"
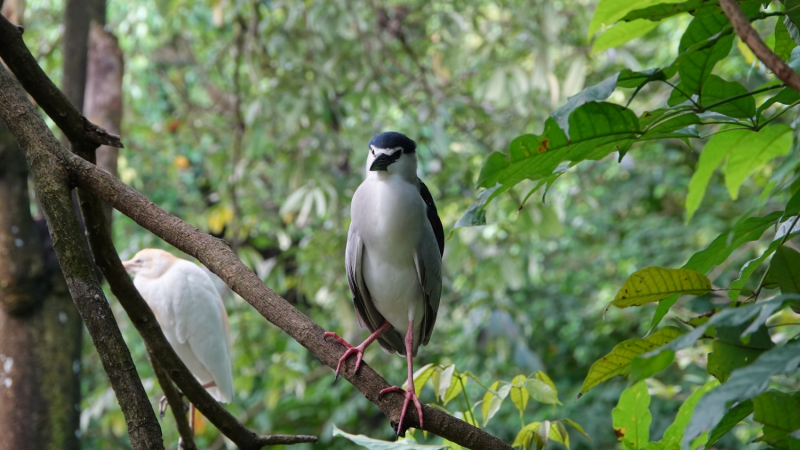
{"x": 351, "y": 350}
{"x": 410, "y": 396}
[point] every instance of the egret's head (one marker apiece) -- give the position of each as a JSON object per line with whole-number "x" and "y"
{"x": 393, "y": 153}
{"x": 150, "y": 263}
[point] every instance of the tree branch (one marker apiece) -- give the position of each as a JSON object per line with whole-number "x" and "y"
{"x": 741, "y": 24}
{"x": 52, "y": 188}
{"x": 175, "y": 404}
{"x": 75, "y": 126}
{"x": 220, "y": 259}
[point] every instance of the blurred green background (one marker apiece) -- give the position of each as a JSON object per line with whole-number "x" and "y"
{"x": 250, "y": 120}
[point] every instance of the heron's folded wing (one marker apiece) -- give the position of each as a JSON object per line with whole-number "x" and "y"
{"x": 428, "y": 259}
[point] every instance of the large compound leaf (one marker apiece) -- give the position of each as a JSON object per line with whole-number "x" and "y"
{"x": 597, "y": 129}
{"x": 652, "y": 284}
{"x": 618, "y": 361}
{"x": 753, "y": 151}
{"x": 747, "y": 230}
{"x": 784, "y": 270}
{"x": 632, "y": 417}
{"x": 744, "y": 384}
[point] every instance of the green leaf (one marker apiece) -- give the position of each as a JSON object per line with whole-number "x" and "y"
{"x": 784, "y": 270}
{"x": 558, "y": 433}
{"x": 525, "y": 434}
{"x": 750, "y": 267}
{"x": 725, "y": 358}
{"x": 746, "y": 230}
{"x": 777, "y": 410}
{"x": 542, "y": 392}
{"x": 375, "y": 444}
{"x": 663, "y": 11}
{"x": 743, "y": 384}
{"x": 621, "y": 33}
{"x": 491, "y": 402}
{"x": 632, "y": 417}
{"x": 701, "y": 47}
{"x": 599, "y": 91}
{"x": 578, "y": 428}
{"x": 675, "y": 123}
{"x": 784, "y": 44}
{"x": 541, "y": 376}
{"x": 442, "y": 381}
{"x": 717, "y": 90}
{"x": 642, "y": 368}
{"x": 631, "y": 79}
{"x": 678, "y": 95}
{"x": 610, "y": 11}
{"x": 652, "y": 284}
{"x": 730, "y": 420}
{"x": 715, "y": 150}
{"x": 785, "y": 96}
{"x": 618, "y": 361}
{"x": 457, "y": 383}
{"x": 674, "y": 433}
{"x": 597, "y": 129}
{"x": 519, "y": 395}
{"x": 752, "y": 151}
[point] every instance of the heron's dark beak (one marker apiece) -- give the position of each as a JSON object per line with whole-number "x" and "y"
{"x": 383, "y": 161}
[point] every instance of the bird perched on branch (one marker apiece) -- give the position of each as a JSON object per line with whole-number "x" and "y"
{"x": 191, "y": 315}
{"x": 394, "y": 258}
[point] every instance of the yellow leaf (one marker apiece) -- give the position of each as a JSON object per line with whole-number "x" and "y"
{"x": 652, "y": 284}
{"x": 618, "y": 362}
{"x": 519, "y": 395}
{"x": 218, "y": 217}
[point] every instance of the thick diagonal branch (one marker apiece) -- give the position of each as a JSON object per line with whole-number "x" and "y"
{"x": 742, "y": 27}
{"x": 53, "y": 190}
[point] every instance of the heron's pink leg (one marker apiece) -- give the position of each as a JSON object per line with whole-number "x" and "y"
{"x": 410, "y": 393}
{"x": 357, "y": 350}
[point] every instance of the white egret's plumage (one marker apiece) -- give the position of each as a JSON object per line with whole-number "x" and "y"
{"x": 191, "y": 315}
{"x": 394, "y": 256}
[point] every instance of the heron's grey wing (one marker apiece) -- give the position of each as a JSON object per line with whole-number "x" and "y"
{"x": 428, "y": 259}
{"x": 368, "y": 315}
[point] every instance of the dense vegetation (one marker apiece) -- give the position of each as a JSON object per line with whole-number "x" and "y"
{"x": 250, "y": 120}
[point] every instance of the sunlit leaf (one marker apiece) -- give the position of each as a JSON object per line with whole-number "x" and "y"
{"x": 714, "y": 152}
{"x": 519, "y": 395}
{"x": 524, "y": 435}
{"x": 421, "y": 376}
{"x": 544, "y": 378}
{"x": 457, "y": 383}
{"x": 652, "y": 284}
{"x": 610, "y": 11}
{"x": 632, "y": 417}
{"x": 618, "y": 361}
{"x": 445, "y": 379}
{"x": 752, "y": 151}
{"x": 621, "y": 33}
{"x": 542, "y": 392}
{"x": 491, "y": 402}
{"x": 558, "y": 433}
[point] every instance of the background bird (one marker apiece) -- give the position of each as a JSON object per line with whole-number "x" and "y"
{"x": 191, "y": 315}
{"x": 394, "y": 257}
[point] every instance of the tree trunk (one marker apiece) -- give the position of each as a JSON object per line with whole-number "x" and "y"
{"x": 39, "y": 326}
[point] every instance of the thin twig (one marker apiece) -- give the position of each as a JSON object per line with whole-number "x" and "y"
{"x": 175, "y": 404}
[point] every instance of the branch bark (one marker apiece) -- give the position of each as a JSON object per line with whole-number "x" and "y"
{"x": 220, "y": 259}
{"x": 742, "y": 27}
{"x": 175, "y": 404}
{"x": 51, "y": 180}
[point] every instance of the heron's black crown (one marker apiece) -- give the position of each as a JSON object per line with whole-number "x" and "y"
{"x": 393, "y": 139}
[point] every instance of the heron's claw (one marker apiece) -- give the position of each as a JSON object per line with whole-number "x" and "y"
{"x": 410, "y": 396}
{"x": 357, "y": 350}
